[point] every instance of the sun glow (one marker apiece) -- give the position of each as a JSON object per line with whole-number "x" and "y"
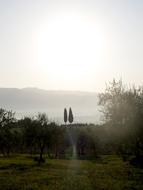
{"x": 70, "y": 48}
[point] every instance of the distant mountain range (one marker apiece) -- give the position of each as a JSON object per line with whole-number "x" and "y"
{"x": 29, "y": 101}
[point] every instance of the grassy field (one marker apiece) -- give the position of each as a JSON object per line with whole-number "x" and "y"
{"x": 107, "y": 173}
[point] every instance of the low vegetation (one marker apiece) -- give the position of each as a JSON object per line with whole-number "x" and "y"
{"x": 108, "y": 173}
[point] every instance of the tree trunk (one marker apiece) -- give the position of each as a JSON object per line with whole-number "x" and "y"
{"x": 41, "y": 154}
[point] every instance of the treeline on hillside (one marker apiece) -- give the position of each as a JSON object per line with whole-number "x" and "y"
{"x": 120, "y": 133}
{"x": 39, "y": 136}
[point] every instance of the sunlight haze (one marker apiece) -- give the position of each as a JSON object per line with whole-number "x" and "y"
{"x": 70, "y": 45}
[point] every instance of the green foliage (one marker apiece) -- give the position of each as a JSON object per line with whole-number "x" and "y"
{"x": 123, "y": 108}
{"x": 7, "y": 122}
{"x": 6, "y": 118}
{"x": 37, "y": 133}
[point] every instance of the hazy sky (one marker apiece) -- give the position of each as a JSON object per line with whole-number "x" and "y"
{"x": 71, "y": 44}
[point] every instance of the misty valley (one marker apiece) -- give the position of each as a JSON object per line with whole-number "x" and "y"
{"x": 30, "y": 101}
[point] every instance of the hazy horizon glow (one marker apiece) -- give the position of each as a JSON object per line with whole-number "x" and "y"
{"x": 70, "y": 45}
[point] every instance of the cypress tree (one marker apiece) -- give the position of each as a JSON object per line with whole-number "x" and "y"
{"x": 65, "y": 115}
{"x": 70, "y": 116}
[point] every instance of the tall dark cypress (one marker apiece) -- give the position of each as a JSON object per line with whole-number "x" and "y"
{"x": 65, "y": 115}
{"x": 70, "y": 116}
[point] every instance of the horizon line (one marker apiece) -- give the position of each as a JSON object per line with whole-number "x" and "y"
{"x": 54, "y": 90}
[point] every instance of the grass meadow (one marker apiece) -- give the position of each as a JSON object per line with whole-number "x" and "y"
{"x": 107, "y": 173}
